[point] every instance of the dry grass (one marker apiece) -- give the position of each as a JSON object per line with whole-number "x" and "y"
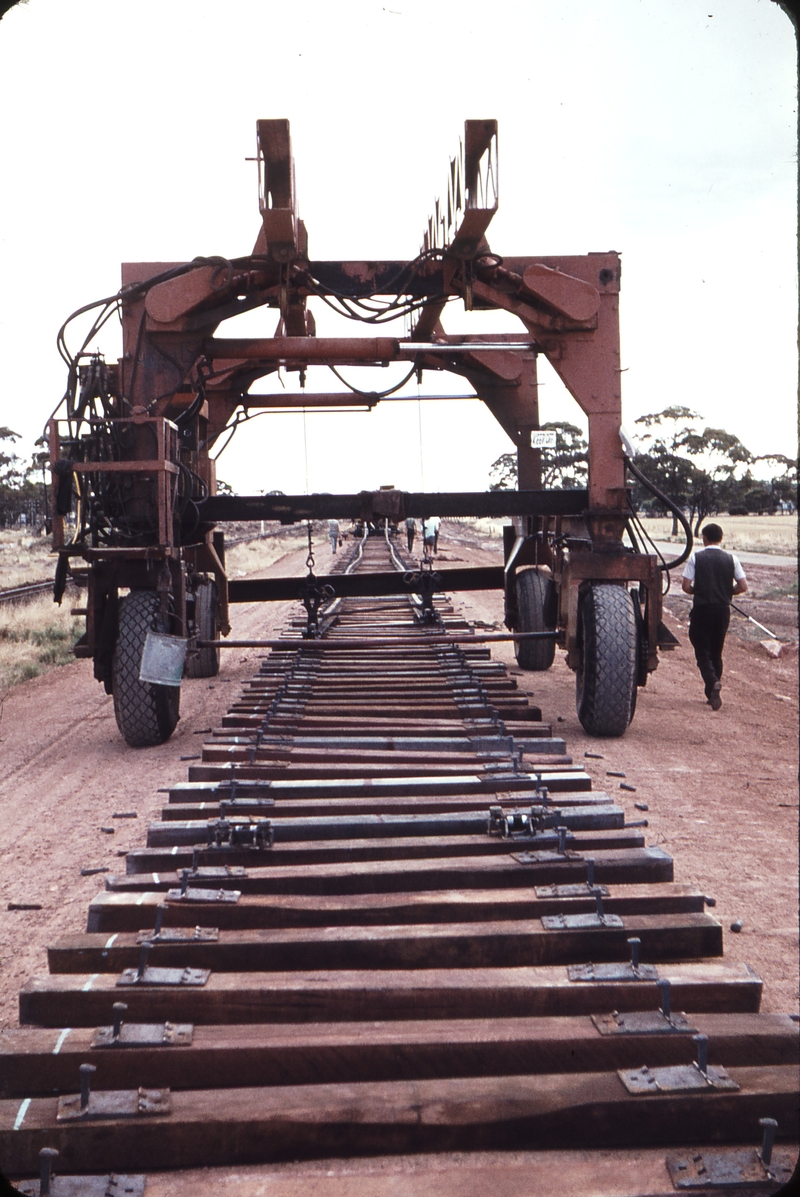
{"x": 743, "y": 533}
{"x": 24, "y": 558}
{"x": 38, "y": 635}
{"x": 34, "y": 637}
{"x": 255, "y": 555}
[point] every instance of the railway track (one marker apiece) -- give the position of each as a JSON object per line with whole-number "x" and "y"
{"x": 386, "y": 939}
{"x": 30, "y": 590}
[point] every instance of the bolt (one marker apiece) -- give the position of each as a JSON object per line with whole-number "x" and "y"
{"x": 597, "y": 894}
{"x": 118, "y": 1010}
{"x": 590, "y": 871}
{"x": 736, "y": 926}
{"x": 47, "y": 1157}
{"x": 702, "y": 1052}
{"x": 770, "y": 1127}
{"x": 635, "y": 945}
{"x": 184, "y": 881}
{"x": 161, "y": 910}
{"x": 143, "y": 951}
{"x": 666, "y": 1002}
{"x": 86, "y": 1071}
{"x": 544, "y": 795}
{"x": 195, "y": 859}
{"x": 562, "y": 839}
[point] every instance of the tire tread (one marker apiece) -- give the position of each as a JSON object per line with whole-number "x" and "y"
{"x": 146, "y": 714}
{"x": 536, "y": 602}
{"x": 606, "y": 683}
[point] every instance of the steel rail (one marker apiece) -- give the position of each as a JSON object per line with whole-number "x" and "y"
{"x": 30, "y": 590}
{"x": 384, "y": 642}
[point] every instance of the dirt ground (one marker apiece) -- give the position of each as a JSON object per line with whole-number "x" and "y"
{"x": 720, "y": 788}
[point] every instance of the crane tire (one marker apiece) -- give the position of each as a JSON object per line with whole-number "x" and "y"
{"x": 537, "y": 607}
{"x": 146, "y": 714}
{"x": 204, "y": 662}
{"x": 606, "y": 680}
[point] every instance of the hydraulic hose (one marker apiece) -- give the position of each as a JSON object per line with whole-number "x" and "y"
{"x": 673, "y": 507}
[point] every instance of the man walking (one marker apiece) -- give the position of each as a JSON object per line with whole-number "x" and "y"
{"x": 713, "y": 576}
{"x": 430, "y": 535}
{"x": 411, "y": 531}
{"x": 333, "y": 534}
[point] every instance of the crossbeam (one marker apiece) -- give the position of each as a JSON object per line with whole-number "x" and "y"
{"x": 493, "y": 504}
{"x": 275, "y": 590}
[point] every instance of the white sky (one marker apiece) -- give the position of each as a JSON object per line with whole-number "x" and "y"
{"x": 666, "y": 131}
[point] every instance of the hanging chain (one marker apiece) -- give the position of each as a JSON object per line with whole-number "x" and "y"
{"x": 310, "y": 557}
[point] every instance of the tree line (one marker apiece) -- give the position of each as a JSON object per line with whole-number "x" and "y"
{"x": 23, "y": 486}
{"x": 704, "y": 470}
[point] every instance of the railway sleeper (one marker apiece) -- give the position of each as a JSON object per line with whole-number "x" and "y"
{"x": 70, "y": 1000}
{"x": 39, "y": 1061}
{"x": 255, "y": 1125}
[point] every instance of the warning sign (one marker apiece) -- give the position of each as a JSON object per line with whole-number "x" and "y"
{"x": 543, "y": 440}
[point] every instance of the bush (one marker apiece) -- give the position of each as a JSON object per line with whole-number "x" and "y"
{"x": 758, "y": 501}
{"x": 738, "y": 509}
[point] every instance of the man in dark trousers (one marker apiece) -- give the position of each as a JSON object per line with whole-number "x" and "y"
{"x": 713, "y": 577}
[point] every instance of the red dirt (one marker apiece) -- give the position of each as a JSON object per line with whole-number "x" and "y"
{"x": 721, "y": 788}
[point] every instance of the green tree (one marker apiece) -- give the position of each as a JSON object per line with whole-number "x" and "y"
{"x": 716, "y": 481}
{"x": 18, "y": 492}
{"x": 564, "y": 466}
{"x": 703, "y": 471}
{"x": 662, "y": 457}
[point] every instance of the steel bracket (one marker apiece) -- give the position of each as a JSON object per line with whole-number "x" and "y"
{"x": 203, "y": 895}
{"x": 217, "y": 872}
{"x": 257, "y": 834}
{"x": 545, "y": 856}
{"x": 180, "y": 935}
{"x": 114, "y": 1103}
{"x": 578, "y": 922}
{"x": 144, "y": 1034}
{"x": 612, "y": 972}
{"x": 677, "y": 1078}
{"x": 731, "y": 1169}
{"x": 519, "y": 823}
{"x": 582, "y": 890}
{"x": 642, "y": 1022}
{"x": 164, "y": 976}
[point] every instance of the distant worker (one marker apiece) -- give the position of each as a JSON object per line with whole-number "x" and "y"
{"x": 713, "y": 576}
{"x": 333, "y": 533}
{"x": 411, "y": 532}
{"x": 430, "y": 535}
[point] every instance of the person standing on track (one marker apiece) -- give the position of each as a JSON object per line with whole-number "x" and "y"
{"x": 411, "y": 531}
{"x": 333, "y": 533}
{"x": 712, "y": 576}
{"x": 430, "y": 535}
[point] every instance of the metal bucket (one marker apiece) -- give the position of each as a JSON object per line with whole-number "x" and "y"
{"x": 162, "y": 659}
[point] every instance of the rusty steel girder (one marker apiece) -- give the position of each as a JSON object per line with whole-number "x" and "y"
{"x": 179, "y": 379}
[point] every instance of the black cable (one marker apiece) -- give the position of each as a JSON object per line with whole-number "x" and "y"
{"x": 385, "y": 315}
{"x": 412, "y": 266}
{"x": 673, "y": 507}
{"x": 374, "y": 394}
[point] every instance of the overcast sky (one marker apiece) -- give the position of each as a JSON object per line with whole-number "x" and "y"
{"x": 663, "y": 130}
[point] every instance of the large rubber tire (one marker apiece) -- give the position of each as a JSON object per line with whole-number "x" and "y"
{"x": 204, "y": 662}
{"x": 606, "y": 681}
{"x": 146, "y": 714}
{"x": 537, "y": 605}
